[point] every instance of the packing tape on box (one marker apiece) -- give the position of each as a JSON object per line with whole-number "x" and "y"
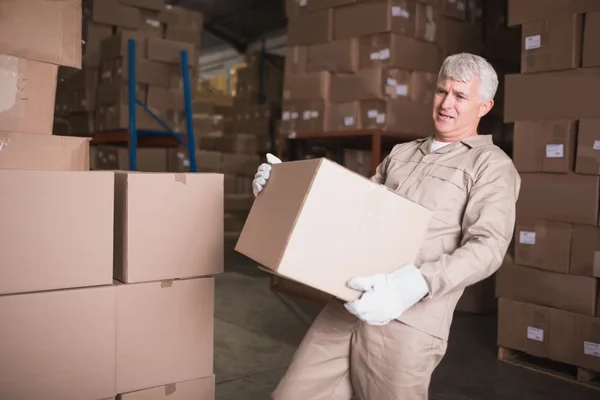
{"x": 170, "y": 389}
{"x": 181, "y": 178}
{"x": 166, "y": 283}
{"x": 9, "y": 77}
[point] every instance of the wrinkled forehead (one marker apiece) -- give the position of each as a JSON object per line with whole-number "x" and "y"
{"x": 468, "y": 82}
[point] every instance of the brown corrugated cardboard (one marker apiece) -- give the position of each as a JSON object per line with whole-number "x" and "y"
{"x": 479, "y": 298}
{"x": 545, "y": 146}
{"x": 344, "y": 116}
{"x": 27, "y": 95}
{"x": 291, "y": 243}
{"x": 312, "y": 116}
{"x": 373, "y": 17}
{"x": 567, "y": 292}
{"x": 559, "y": 197}
{"x": 183, "y": 17}
{"x": 115, "y": 92}
{"x": 150, "y": 24}
{"x": 183, "y": 34}
{"x": 309, "y": 86}
{"x": 93, "y": 35}
{"x": 591, "y": 40}
{"x": 295, "y": 60}
{"x": 585, "y": 251}
{"x": 310, "y": 28}
{"x": 113, "y": 13}
{"x": 336, "y": 56}
{"x": 543, "y": 244}
{"x": 526, "y": 95}
{"x": 391, "y": 50}
{"x": 588, "y": 147}
{"x": 586, "y": 339}
{"x": 313, "y": 5}
{"x": 43, "y": 152}
{"x": 169, "y": 52}
{"x": 397, "y": 116}
{"x": 372, "y": 83}
{"x": 80, "y": 123}
{"x": 152, "y": 73}
{"x": 176, "y": 319}
{"x": 74, "y": 329}
{"x": 64, "y": 205}
{"x": 174, "y": 203}
{"x": 520, "y": 12}
{"x": 454, "y": 36}
{"x": 116, "y": 117}
{"x": 456, "y": 9}
{"x": 428, "y": 21}
{"x": 117, "y": 46}
{"x": 198, "y": 389}
{"x": 41, "y": 30}
{"x": 552, "y": 45}
{"x": 157, "y": 5}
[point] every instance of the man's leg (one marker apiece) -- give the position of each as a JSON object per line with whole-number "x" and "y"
{"x": 394, "y": 362}
{"x": 320, "y": 369}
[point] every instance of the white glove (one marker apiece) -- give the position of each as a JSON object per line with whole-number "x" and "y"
{"x": 263, "y": 173}
{"x": 387, "y": 296}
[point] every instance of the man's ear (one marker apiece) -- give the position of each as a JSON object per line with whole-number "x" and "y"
{"x": 485, "y": 107}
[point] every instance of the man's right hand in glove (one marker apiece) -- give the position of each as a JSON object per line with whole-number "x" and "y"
{"x": 263, "y": 174}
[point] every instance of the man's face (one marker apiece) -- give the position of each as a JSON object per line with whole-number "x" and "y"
{"x": 457, "y": 108}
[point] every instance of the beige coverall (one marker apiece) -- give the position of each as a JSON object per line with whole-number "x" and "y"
{"x": 472, "y": 186}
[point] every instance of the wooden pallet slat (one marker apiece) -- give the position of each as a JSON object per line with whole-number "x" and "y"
{"x": 555, "y": 369}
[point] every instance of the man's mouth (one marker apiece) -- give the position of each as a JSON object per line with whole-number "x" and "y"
{"x": 444, "y": 116}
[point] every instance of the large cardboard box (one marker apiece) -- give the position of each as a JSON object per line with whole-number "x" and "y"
{"x": 59, "y": 344}
{"x": 397, "y": 116}
{"x": 308, "y": 86}
{"x": 545, "y": 146}
{"x": 552, "y": 45}
{"x": 578, "y": 294}
{"x": 27, "y": 95}
{"x": 543, "y": 244}
{"x": 42, "y": 30}
{"x": 43, "y": 152}
{"x": 391, "y": 50}
{"x": 559, "y": 197}
{"x": 585, "y": 251}
{"x": 588, "y": 147}
{"x": 57, "y": 230}
{"x": 520, "y": 12}
{"x": 310, "y": 28}
{"x": 336, "y": 56}
{"x": 168, "y": 226}
{"x": 331, "y": 225}
{"x": 197, "y": 389}
{"x": 591, "y": 40}
{"x": 164, "y": 332}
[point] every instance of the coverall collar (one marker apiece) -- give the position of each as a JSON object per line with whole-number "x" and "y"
{"x": 471, "y": 141}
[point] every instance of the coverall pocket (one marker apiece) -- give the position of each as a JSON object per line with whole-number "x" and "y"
{"x": 445, "y": 192}
{"x": 406, "y": 348}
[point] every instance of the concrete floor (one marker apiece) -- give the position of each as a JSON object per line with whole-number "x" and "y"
{"x": 256, "y": 335}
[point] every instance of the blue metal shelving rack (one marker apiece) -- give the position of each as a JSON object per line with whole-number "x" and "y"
{"x": 134, "y": 135}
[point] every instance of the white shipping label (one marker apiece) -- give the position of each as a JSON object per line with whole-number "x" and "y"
{"x": 294, "y": 115}
{"x": 372, "y": 113}
{"x": 306, "y": 115}
{"x": 314, "y": 114}
{"x": 536, "y": 334}
{"x": 380, "y": 119}
{"x": 285, "y": 116}
{"x": 348, "y": 121}
{"x": 402, "y": 90}
{"x": 384, "y": 54}
{"x": 374, "y": 56}
{"x": 400, "y": 12}
{"x": 292, "y": 135}
{"x": 555, "y": 151}
{"x": 591, "y": 349}
{"x": 392, "y": 82}
{"x": 596, "y": 144}
{"x": 533, "y": 42}
{"x": 302, "y": 3}
{"x": 153, "y": 23}
{"x": 527, "y": 237}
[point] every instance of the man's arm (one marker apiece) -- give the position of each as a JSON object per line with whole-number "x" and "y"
{"x": 381, "y": 171}
{"x": 488, "y": 227}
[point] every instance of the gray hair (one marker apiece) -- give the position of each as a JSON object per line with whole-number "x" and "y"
{"x": 463, "y": 67}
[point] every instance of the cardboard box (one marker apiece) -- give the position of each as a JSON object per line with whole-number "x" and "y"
{"x": 63, "y": 206}
{"x": 526, "y": 95}
{"x": 454, "y": 36}
{"x": 43, "y": 152}
{"x": 314, "y": 5}
{"x": 373, "y": 17}
{"x": 367, "y": 84}
{"x": 543, "y": 244}
{"x": 585, "y": 251}
{"x": 59, "y": 344}
{"x": 391, "y": 50}
{"x": 309, "y": 86}
{"x": 157, "y": 5}
{"x": 559, "y": 197}
{"x": 520, "y": 12}
{"x": 344, "y": 116}
{"x": 304, "y": 116}
{"x": 397, "y": 116}
{"x": 310, "y": 28}
{"x": 295, "y": 60}
{"x": 578, "y": 294}
{"x": 27, "y": 96}
{"x": 336, "y": 56}
{"x": 588, "y": 147}
{"x": 198, "y": 389}
{"x": 552, "y": 45}
{"x": 169, "y": 52}
{"x": 113, "y": 13}
{"x": 42, "y": 30}
{"x": 147, "y": 72}
{"x": 479, "y": 298}
{"x": 591, "y": 40}
{"x": 117, "y": 46}
{"x": 93, "y": 35}
{"x": 176, "y": 319}
{"x": 296, "y": 242}
{"x": 456, "y": 9}
{"x": 545, "y": 146}
{"x": 155, "y": 214}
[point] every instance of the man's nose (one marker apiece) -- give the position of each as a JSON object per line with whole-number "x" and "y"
{"x": 447, "y": 102}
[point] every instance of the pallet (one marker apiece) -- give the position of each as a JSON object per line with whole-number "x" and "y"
{"x": 566, "y": 372}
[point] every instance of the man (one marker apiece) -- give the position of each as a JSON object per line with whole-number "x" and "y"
{"x": 386, "y": 345}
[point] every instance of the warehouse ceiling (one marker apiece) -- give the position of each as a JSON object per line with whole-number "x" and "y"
{"x": 236, "y": 22}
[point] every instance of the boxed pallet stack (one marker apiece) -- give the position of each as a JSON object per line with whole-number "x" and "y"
{"x": 549, "y": 298}
{"x": 95, "y": 98}
{"x": 370, "y": 64}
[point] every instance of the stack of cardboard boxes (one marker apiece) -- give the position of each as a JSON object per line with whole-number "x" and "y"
{"x": 549, "y": 297}
{"x": 94, "y": 99}
{"x": 370, "y": 64}
{"x": 106, "y": 286}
